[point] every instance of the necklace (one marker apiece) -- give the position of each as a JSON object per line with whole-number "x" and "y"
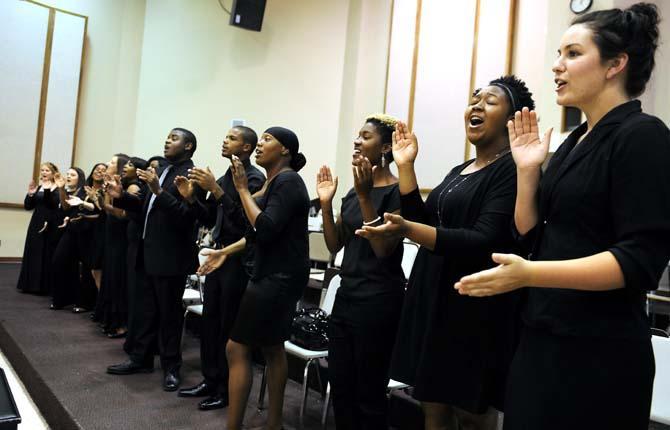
{"x": 449, "y": 188}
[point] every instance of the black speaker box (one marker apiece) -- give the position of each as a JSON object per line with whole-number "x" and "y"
{"x": 248, "y": 14}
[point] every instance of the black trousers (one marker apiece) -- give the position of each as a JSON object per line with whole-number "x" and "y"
{"x": 161, "y": 320}
{"x": 361, "y": 337}
{"x": 223, "y": 293}
{"x": 71, "y": 284}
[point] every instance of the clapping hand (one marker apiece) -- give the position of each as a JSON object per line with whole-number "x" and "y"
{"x": 363, "y": 174}
{"x": 74, "y": 201}
{"x": 326, "y": 185}
{"x": 239, "y": 174}
{"x": 113, "y": 186}
{"x": 215, "y": 259}
{"x": 405, "y": 146}
{"x": 32, "y": 188}
{"x": 527, "y": 148}
{"x": 184, "y": 186}
{"x": 394, "y": 226}
{"x": 59, "y": 180}
{"x": 203, "y": 177}
{"x": 511, "y": 273}
{"x": 150, "y": 178}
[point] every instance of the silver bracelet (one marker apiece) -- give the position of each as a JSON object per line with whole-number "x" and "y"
{"x": 374, "y": 221}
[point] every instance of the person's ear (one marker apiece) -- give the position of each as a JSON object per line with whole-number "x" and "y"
{"x": 617, "y": 65}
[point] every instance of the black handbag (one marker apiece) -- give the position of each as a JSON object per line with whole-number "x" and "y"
{"x": 309, "y": 329}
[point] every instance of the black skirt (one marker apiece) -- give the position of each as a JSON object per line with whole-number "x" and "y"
{"x": 267, "y": 309}
{"x": 579, "y": 383}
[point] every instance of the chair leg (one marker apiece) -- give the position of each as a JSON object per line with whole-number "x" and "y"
{"x": 326, "y": 405}
{"x": 304, "y": 391}
{"x": 317, "y": 367}
{"x": 261, "y": 393}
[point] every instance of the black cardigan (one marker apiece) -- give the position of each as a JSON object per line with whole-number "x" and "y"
{"x": 611, "y": 193}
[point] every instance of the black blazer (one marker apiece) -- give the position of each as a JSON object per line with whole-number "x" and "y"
{"x": 611, "y": 192}
{"x": 169, "y": 247}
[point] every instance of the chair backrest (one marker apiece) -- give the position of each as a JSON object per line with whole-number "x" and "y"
{"x": 339, "y": 257}
{"x": 410, "y": 249}
{"x": 318, "y": 251}
{"x": 329, "y": 300}
{"x": 660, "y": 402}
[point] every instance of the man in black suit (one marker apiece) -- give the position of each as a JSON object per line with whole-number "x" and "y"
{"x": 167, "y": 255}
{"x": 224, "y": 286}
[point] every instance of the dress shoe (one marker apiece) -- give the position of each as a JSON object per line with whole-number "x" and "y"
{"x": 78, "y": 310}
{"x": 201, "y": 390}
{"x": 171, "y": 381}
{"x": 129, "y": 368}
{"x": 55, "y": 308}
{"x": 215, "y": 402}
{"x": 117, "y": 334}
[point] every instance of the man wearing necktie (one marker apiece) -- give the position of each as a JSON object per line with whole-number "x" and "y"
{"x": 225, "y": 286}
{"x": 167, "y": 255}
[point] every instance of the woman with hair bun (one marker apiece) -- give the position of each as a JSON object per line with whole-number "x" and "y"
{"x": 598, "y": 225}
{"x": 364, "y": 320}
{"x": 455, "y": 350}
{"x": 277, "y": 215}
{"x": 40, "y": 243}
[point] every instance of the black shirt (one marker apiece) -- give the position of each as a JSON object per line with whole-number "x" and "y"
{"x": 280, "y": 235}
{"x": 363, "y": 273}
{"x": 611, "y": 192}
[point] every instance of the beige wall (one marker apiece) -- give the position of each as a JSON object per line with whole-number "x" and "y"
{"x": 108, "y": 95}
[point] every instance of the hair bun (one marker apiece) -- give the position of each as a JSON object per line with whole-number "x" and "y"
{"x": 298, "y": 161}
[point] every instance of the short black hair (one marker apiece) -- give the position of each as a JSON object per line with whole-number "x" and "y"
{"x": 633, "y": 31}
{"x": 249, "y": 136}
{"x": 162, "y": 161}
{"x": 141, "y": 163}
{"x": 189, "y": 137}
{"x": 524, "y": 98}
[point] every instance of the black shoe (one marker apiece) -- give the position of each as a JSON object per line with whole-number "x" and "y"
{"x": 78, "y": 310}
{"x": 117, "y": 335}
{"x": 171, "y": 381}
{"x": 129, "y": 368}
{"x": 55, "y": 308}
{"x": 215, "y": 402}
{"x": 201, "y": 390}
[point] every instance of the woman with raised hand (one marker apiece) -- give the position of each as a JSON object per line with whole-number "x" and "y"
{"x": 41, "y": 238}
{"x": 112, "y": 303}
{"x": 598, "y": 222}
{"x": 278, "y": 217}
{"x": 455, "y": 350}
{"x": 65, "y": 261}
{"x": 364, "y": 321}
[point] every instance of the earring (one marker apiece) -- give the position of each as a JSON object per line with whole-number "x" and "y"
{"x": 383, "y": 162}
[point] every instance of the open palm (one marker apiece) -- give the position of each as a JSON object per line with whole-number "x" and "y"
{"x": 527, "y": 148}
{"x": 405, "y": 145}
{"x": 326, "y": 186}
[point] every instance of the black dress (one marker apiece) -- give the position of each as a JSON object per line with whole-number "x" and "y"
{"x": 112, "y": 304}
{"x": 41, "y": 240}
{"x": 281, "y": 263}
{"x": 364, "y": 320}
{"x": 456, "y": 349}
{"x": 585, "y": 359}
{"x": 134, "y": 239}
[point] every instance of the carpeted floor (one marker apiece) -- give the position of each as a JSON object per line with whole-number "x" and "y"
{"x": 61, "y": 358}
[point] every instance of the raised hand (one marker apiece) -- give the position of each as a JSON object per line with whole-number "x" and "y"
{"x": 92, "y": 194}
{"x": 239, "y": 174}
{"x": 363, "y": 170}
{"x": 394, "y": 226}
{"x": 215, "y": 259}
{"x": 74, "y": 201}
{"x": 150, "y": 178}
{"x": 113, "y": 186}
{"x": 59, "y": 180}
{"x": 184, "y": 186}
{"x": 405, "y": 146}
{"x": 203, "y": 177}
{"x": 32, "y": 188}
{"x": 527, "y": 148}
{"x": 326, "y": 185}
